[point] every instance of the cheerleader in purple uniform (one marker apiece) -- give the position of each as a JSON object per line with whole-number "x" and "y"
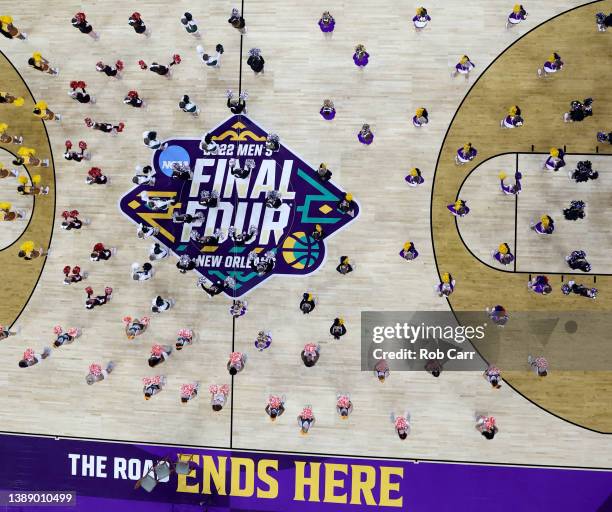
{"x": 409, "y": 252}
{"x": 421, "y": 117}
{"x": 555, "y": 160}
{"x": 493, "y": 375}
{"x": 546, "y": 226}
{"x": 327, "y": 23}
{"x": 421, "y": 19}
{"x": 551, "y": 66}
{"x": 498, "y": 315}
{"x": 513, "y": 119}
{"x": 459, "y": 208}
{"x": 414, "y": 177}
{"x": 446, "y": 286}
{"x": 503, "y": 254}
{"x": 517, "y": 15}
{"x": 365, "y": 135}
{"x": 465, "y": 154}
{"x": 361, "y": 57}
{"x": 463, "y": 67}
{"x": 328, "y": 111}
{"x": 510, "y": 190}
{"x": 539, "y": 284}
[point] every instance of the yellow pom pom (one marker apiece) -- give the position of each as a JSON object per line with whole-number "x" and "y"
{"x": 458, "y": 204}
{"x": 419, "y": 11}
{"x": 552, "y": 58}
{"x": 27, "y": 246}
{"x": 345, "y": 260}
{"x": 446, "y": 277}
{"x": 407, "y": 246}
{"x": 503, "y": 248}
{"x": 502, "y": 175}
{"x": 554, "y": 152}
{"x": 19, "y": 102}
{"x": 349, "y": 197}
{"x": 323, "y": 165}
{"x": 513, "y": 110}
{"x": 5, "y": 206}
{"x": 467, "y": 147}
{"x": 309, "y": 297}
{"x": 26, "y": 152}
{"x": 341, "y": 321}
{"x": 464, "y": 59}
{"x": 3, "y": 127}
{"x": 37, "y": 56}
{"x": 6, "y": 20}
{"x": 517, "y": 8}
{"x": 23, "y": 179}
{"x": 420, "y": 112}
{"x": 545, "y": 221}
{"x": 414, "y": 172}
{"x": 41, "y": 105}
{"x": 318, "y": 228}
{"x": 36, "y": 179}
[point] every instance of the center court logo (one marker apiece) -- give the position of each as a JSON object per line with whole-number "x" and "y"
{"x": 286, "y": 231}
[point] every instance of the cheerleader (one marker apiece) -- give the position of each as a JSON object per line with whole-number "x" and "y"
{"x": 211, "y": 289}
{"x": 187, "y": 106}
{"x": 212, "y": 61}
{"x": 306, "y": 420}
{"x": 446, "y": 285}
{"x": 421, "y": 19}
{"x": 409, "y": 252}
{"x": 307, "y": 304}
{"x": 218, "y": 396}
{"x": 551, "y": 66}
{"x": 65, "y": 337}
{"x": 134, "y": 100}
{"x": 513, "y": 119}
{"x": 236, "y": 363}
{"x": 185, "y": 263}
{"x": 238, "y": 307}
{"x": 81, "y": 96}
{"x": 144, "y": 175}
{"x": 510, "y": 190}
{"x": 503, "y": 254}
{"x": 238, "y": 106}
{"x": 310, "y": 354}
{"x": 99, "y": 300}
{"x": 159, "y": 354}
{"x": 603, "y": 21}
{"x": 459, "y": 208}
{"x": 158, "y": 252}
{"x": 421, "y": 117}
{"x": 327, "y": 23}
{"x": 181, "y": 171}
{"x": 184, "y": 338}
{"x": 323, "y": 173}
{"x": 381, "y": 370}
{"x": 5, "y": 173}
{"x": 539, "y": 285}
{"x": 10, "y": 31}
{"x": 539, "y": 365}
{"x": 152, "y": 385}
{"x": 345, "y": 266}
{"x": 95, "y": 177}
{"x": 493, "y": 375}
{"x": 433, "y": 367}
{"x": 73, "y": 275}
{"x": 72, "y": 221}
{"x": 213, "y": 240}
{"x": 486, "y": 426}
{"x": 555, "y": 160}
{"x": 30, "y": 358}
{"x": 273, "y": 199}
{"x": 579, "y": 110}
{"x": 577, "y": 261}
{"x": 6, "y": 97}
{"x": 273, "y": 143}
{"x": 256, "y": 61}
{"x": 546, "y": 226}
{"x": 361, "y": 57}
{"x": 241, "y": 172}
{"x": 517, "y": 15}
{"x": 5, "y": 332}
{"x": 240, "y": 239}
{"x": 150, "y": 140}
{"x": 38, "y": 62}
{"x": 318, "y": 234}
{"x": 137, "y": 23}
{"x": 578, "y": 289}
{"x": 337, "y": 329}
{"x": 463, "y": 67}
{"x": 275, "y": 406}
{"x": 237, "y": 21}
{"x": 465, "y": 154}
{"x": 28, "y": 251}
{"x": 159, "y": 304}
{"x": 346, "y": 205}
{"x": 187, "y": 218}
{"x": 100, "y": 252}
{"x": 498, "y": 315}
{"x": 209, "y": 199}
{"x": 604, "y": 137}
{"x": 401, "y": 424}
{"x": 73, "y": 155}
{"x": 262, "y": 264}
{"x": 96, "y": 373}
{"x": 9, "y": 214}
{"x": 143, "y": 231}
{"x": 263, "y": 340}
{"x": 344, "y": 406}
{"x": 160, "y": 69}
{"x": 35, "y": 189}
{"x": 104, "y": 127}
{"x": 142, "y": 274}
{"x": 112, "y": 71}
{"x": 157, "y": 204}
{"x": 135, "y": 326}
{"x": 188, "y": 391}
{"x": 583, "y": 172}
{"x": 328, "y": 111}
{"x": 79, "y": 21}
{"x": 414, "y": 178}
{"x": 190, "y": 25}
{"x": 575, "y": 210}
{"x": 208, "y": 145}
{"x": 41, "y": 110}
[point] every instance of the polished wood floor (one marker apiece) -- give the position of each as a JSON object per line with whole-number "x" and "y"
{"x": 407, "y": 70}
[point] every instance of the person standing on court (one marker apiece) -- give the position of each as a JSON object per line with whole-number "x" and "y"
{"x": 256, "y": 61}
{"x": 237, "y": 21}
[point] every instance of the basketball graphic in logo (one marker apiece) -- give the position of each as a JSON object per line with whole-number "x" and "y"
{"x": 300, "y": 251}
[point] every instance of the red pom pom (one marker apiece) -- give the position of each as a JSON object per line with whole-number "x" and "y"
{"x": 74, "y": 214}
{"x": 89, "y": 290}
{"x": 176, "y": 58}
{"x": 82, "y": 145}
{"x": 108, "y": 290}
{"x": 81, "y": 84}
{"x": 74, "y": 84}
{"x": 89, "y": 122}
{"x": 68, "y": 144}
{"x": 135, "y": 15}
{"x": 119, "y": 65}
{"x": 98, "y": 247}
{"x": 76, "y": 270}
{"x": 66, "y": 270}
{"x": 80, "y": 16}
{"x": 142, "y": 64}
{"x": 132, "y": 94}
{"x": 66, "y": 214}
{"x": 120, "y": 127}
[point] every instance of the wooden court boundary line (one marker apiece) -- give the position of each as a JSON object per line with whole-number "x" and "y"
{"x": 433, "y": 187}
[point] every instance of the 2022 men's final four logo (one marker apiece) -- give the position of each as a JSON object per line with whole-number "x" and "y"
{"x": 211, "y": 201}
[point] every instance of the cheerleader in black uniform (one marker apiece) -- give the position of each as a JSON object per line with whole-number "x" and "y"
{"x": 95, "y": 176}
{"x": 237, "y": 105}
{"x": 575, "y": 210}
{"x": 578, "y": 289}
{"x": 136, "y": 22}
{"x": 237, "y": 171}
{"x": 318, "y": 234}
{"x": 73, "y": 275}
{"x": 152, "y": 385}
{"x": 262, "y": 264}
{"x": 113, "y": 71}
{"x": 98, "y": 300}
{"x": 209, "y": 199}
{"x": 215, "y": 239}
{"x": 215, "y": 288}
{"x": 345, "y": 266}
{"x": 323, "y": 173}
{"x": 273, "y": 199}
{"x": 181, "y": 171}
{"x": 134, "y": 100}
{"x": 307, "y": 304}
{"x": 583, "y": 172}
{"x": 101, "y": 253}
{"x": 72, "y": 221}
{"x": 237, "y": 21}
{"x": 275, "y": 406}
{"x": 80, "y": 22}
{"x": 338, "y": 329}
{"x": 273, "y": 143}
{"x": 160, "y": 69}
{"x": 104, "y": 127}
{"x": 240, "y": 239}
{"x": 187, "y": 218}
{"x": 346, "y": 205}
{"x": 82, "y": 96}
{"x": 577, "y": 261}
{"x": 256, "y": 61}
{"x": 185, "y": 264}
{"x": 76, "y": 156}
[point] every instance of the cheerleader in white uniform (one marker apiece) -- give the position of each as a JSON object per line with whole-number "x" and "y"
{"x": 446, "y": 285}
{"x": 459, "y": 208}
{"x": 237, "y": 362}
{"x": 275, "y": 406}
{"x": 513, "y": 119}
{"x": 263, "y": 340}
{"x": 465, "y": 154}
{"x": 421, "y": 117}
{"x": 208, "y": 145}
{"x": 157, "y": 252}
{"x": 546, "y": 226}
{"x": 511, "y": 190}
{"x": 344, "y": 406}
{"x": 381, "y": 370}
{"x": 306, "y": 420}
{"x": 486, "y": 426}
{"x": 517, "y": 15}
{"x": 539, "y": 365}
{"x": 5, "y": 332}
{"x": 30, "y": 358}
{"x": 414, "y": 178}
{"x": 189, "y": 391}
{"x": 401, "y": 424}
{"x": 503, "y": 254}
{"x": 553, "y": 65}
{"x": 409, "y": 252}
{"x": 142, "y": 274}
{"x": 159, "y": 354}
{"x": 555, "y": 160}
{"x": 65, "y": 337}
{"x": 159, "y": 304}
{"x": 135, "y": 326}
{"x": 157, "y": 204}
{"x": 238, "y": 308}
{"x": 463, "y": 67}
{"x": 421, "y": 19}
{"x": 153, "y": 385}
{"x": 146, "y": 231}
{"x": 218, "y": 396}
{"x": 144, "y": 176}
{"x": 184, "y": 338}
{"x": 97, "y": 373}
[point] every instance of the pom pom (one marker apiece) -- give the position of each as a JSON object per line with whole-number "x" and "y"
{"x": 68, "y": 144}
{"x": 66, "y": 270}
{"x": 503, "y": 249}
{"x": 142, "y": 64}
{"x": 132, "y": 94}
{"x": 187, "y": 390}
{"x": 95, "y": 369}
{"x": 74, "y": 84}
{"x": 119, "y": 65}
{"x": 446, "y": 277}
{"x": 98, "y": 247}
{"x": 554, "y": 152}
{"x": 310, "y": 348}
{"x": 401, "y": 423}
{"x": 74, "y": 213}
{"x": 58, "y": 328}
{"x": 27, "y": 247}
{"x": 66, "y": 214}
{"x": 19, "y": 102}
{"x": 145, "y": 320}
{"x": 41, "y": 105}
{"x": 23, "y": 179}
{"x": 89, "y": 122}
{"x": 28, "y": 355}
{"x": 81, "y": 84}
{"x": 82, "y": 145}
{"x": 176, "y": 58}
{"x": 120, "y": 127}
{"x": 157, "y": 350}
{"x": 307, "y": 413}
{"x": 76, "y": 270}
{"x": 136, "y": 16}
{"x": 36, "y": 179}
{"x": 5, "y": 206}
{"x": 274, "y": 402}
{"x": 89, "y": 290}
{"x": 348, "y": 197}
{"x": 73, "y": 331}
{"x": 502, "y": 175}
{"x": 235, "y": 357}
{"x": 127, "y": 320}
{"x": 343, "y": 402}
{"x": 108, "y": 290}
{"x": 149, "y": 381}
